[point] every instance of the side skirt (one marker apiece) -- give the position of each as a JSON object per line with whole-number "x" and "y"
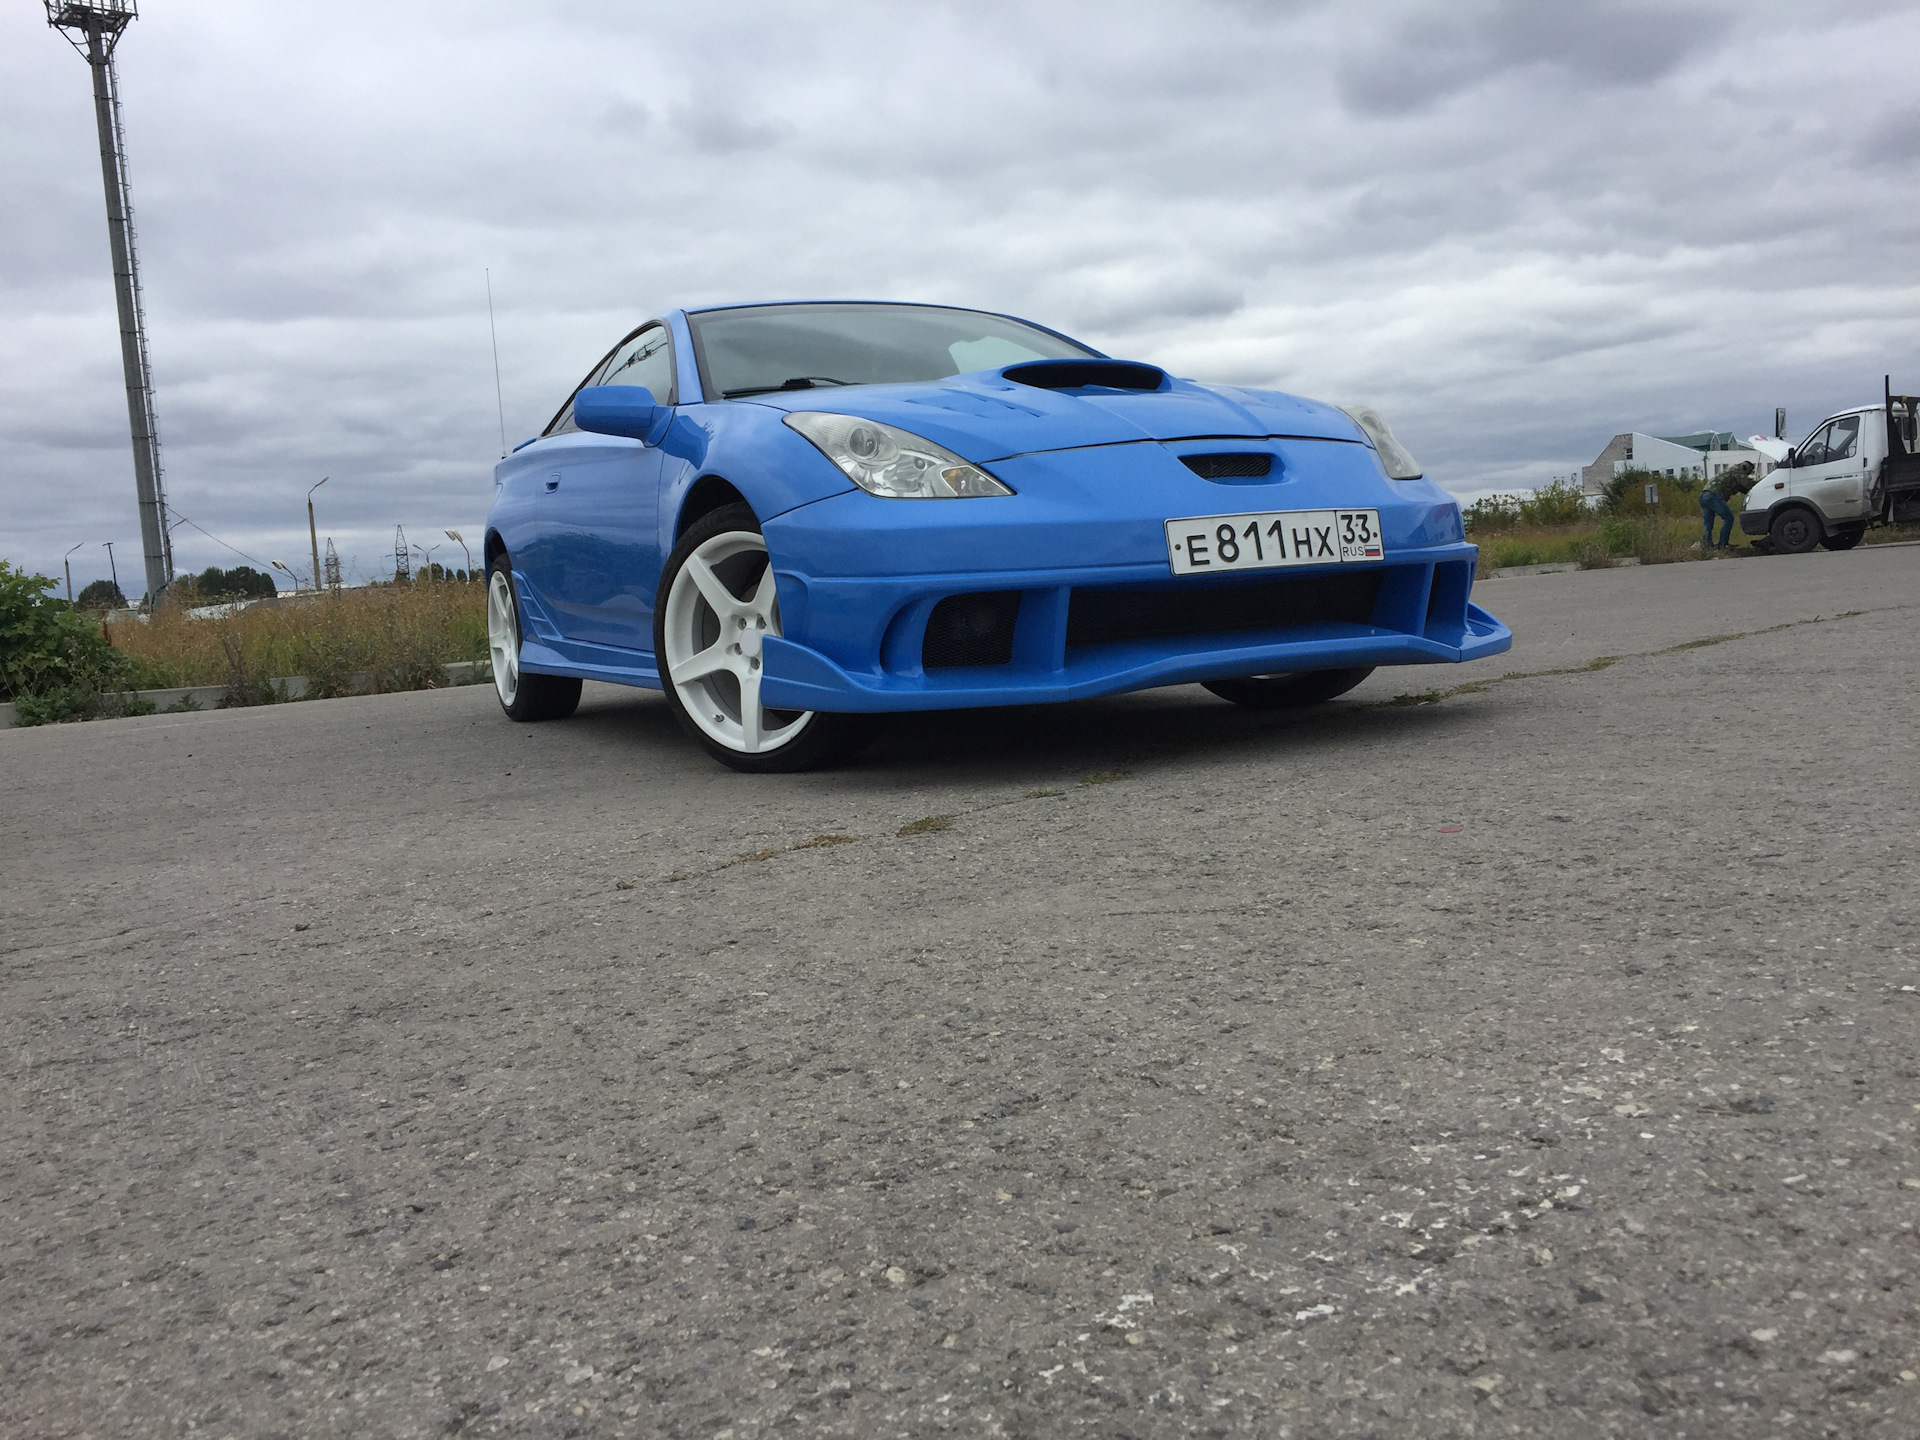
{"x": 589, "y": 662}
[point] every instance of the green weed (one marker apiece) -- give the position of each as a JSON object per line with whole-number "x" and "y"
{"x": 926, "y": 825}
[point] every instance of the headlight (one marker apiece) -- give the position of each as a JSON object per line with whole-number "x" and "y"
{"x": 1394, "y": 458}
{"x": 894, "y": 463}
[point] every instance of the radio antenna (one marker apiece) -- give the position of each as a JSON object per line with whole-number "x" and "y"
{"x": 498, "y": 399}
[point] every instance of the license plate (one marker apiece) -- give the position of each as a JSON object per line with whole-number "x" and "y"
{"x": 1273, "y": 540}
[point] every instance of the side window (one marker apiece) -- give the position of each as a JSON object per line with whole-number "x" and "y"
{"x": 1843, "y": 438}
{"x": 646, "y": 359}
{"x": 642, "y": 359}
{"x": 1813, "y": 450}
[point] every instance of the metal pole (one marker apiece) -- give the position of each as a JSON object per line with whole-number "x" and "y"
{"x": 155, "y": 541}
{"x": 115, "y": 569}
{"x": 67, "y": 561}
{"x": 313, "y": 535}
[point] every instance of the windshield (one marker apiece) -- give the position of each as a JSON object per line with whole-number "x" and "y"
{"x": 806, "y": 347}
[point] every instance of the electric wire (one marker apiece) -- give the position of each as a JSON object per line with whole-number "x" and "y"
{"x": 179, "y": 520}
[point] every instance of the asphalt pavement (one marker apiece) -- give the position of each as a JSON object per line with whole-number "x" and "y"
{"x": 1471, "y": 1056}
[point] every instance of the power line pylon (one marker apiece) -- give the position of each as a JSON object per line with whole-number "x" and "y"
{"x": 94, "y": 27}
{"x": 332, "y": 564}
{"x": 402, "y": 566}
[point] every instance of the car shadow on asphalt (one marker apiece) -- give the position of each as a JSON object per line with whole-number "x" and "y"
{"x": 1038, "y": 743}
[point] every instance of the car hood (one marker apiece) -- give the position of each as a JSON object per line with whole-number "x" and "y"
{"x": 984, "y": 416}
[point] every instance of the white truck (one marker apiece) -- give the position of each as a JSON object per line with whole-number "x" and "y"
{"x": 1858, "y": 468}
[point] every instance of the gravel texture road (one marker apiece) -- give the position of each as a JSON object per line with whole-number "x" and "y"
{"x": 1538, "y": 1060}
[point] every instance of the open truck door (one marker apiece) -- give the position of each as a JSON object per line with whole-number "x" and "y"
{"x": 1898, "y": 497}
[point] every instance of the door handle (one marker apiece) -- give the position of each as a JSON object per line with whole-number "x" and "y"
{"x": 553, "y": 482}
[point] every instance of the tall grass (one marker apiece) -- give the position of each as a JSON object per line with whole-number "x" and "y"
{"x": 395, "y": 636}
{"x": 1558, "y": 525}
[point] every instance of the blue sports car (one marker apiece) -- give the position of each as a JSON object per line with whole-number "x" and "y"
{"x": 795, "y": 518}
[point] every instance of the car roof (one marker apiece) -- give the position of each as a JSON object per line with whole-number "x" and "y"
{"x": 902, "y": 304}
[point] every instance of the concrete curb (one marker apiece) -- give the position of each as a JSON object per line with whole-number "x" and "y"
{"x": 1562, "y": 567}
{"x": 185, "y": 698}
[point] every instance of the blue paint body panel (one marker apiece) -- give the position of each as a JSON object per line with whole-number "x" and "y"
{"x": 588, "y": 521}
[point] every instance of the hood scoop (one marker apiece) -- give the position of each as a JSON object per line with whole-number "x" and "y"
{"x": 1231, "y": 466}
{"x": 1087, "y": 375}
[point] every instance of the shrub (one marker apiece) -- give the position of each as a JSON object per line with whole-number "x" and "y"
{"x": 1491, "y": 512}
{"x": 55, "y": 663}
{"x": 1560, "y": 502}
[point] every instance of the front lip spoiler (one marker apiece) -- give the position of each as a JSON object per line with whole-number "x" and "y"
{"x": 798, "y": 678}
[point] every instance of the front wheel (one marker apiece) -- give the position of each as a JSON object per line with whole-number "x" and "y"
{"x": 1794, "y": 532}
{"x": 523, "y": 696}
{"x": 717, "y": 608}
{"x": 1289, "y": 691}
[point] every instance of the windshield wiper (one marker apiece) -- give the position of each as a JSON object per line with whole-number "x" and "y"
{"x": 797, "y": 382}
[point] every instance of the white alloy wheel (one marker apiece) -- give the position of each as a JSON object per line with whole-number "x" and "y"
{"x": 503, "y": 637}
{"x": 719, "y": 610}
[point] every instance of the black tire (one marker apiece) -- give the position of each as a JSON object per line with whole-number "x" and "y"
{"x": 819, "y": 738}
{"x": 1845, "y": 539}
{"x": 1290, "y": 691}
{"x": 524, "y": 697}
{"x": 1795, "y": 531}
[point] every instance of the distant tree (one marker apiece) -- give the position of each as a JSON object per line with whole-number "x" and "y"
{"x": 101, "y": 595}
{"x": 214, "y": 585}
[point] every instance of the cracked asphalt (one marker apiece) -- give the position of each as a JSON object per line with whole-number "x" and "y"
{"x": 1537, "y": 1061}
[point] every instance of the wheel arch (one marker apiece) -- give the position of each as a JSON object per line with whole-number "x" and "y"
{"x": 706, "y": 495}
{"x": 492, "y": 548}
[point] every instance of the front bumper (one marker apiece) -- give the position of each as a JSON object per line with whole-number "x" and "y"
{"x": 863, "y": 583}
{"x": 1045, "y": 669}
{"x": 1753, "y": 522}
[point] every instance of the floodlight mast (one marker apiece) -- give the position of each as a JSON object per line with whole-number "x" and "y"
{"x": 94, "y": 27}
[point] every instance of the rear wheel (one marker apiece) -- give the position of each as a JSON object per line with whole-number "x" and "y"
{"x": 1795, "y": 531}
{"x": 524, "y": 697}
{"x": 1289, "y": 691}
{"x": 1845, "y": 539}
{"x": 717, "y": 606}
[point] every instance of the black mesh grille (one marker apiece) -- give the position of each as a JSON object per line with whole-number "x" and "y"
{"x": 1228, "y": 467}
{"x": 1099, "y": 617}
{"x": 971, "y": 630}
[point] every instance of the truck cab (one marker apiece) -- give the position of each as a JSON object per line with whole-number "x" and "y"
{"x": 1855, "y": 469}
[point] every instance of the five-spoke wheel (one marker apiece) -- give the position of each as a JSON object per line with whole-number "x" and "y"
{"x": 718, "y": 606}
{"x": 523, "y": 696}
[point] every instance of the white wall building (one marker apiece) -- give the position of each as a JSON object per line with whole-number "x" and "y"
{"x": 1693, "y": 457}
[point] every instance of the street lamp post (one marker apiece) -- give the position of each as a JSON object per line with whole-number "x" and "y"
{"x": 64, "y": 560}
{"x": 313, "y": 535}
{"x": 114, "y": 570}
{"x": 426, "y": 558}
{"x": 292, "y": 574}
{"x": 455, "y": 536}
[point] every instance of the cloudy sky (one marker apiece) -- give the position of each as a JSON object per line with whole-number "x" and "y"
{"x": 1518, "y": 228}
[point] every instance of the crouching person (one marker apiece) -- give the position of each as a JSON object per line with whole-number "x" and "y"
{"x": 1734, "y": 480}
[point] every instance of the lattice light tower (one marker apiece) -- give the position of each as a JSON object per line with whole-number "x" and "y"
{"x": 94, "y": 28}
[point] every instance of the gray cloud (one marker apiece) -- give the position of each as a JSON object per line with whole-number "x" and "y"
{"x": 1518, "y": 227}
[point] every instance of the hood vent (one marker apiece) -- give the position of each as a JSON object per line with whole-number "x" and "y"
{"x": 1243, "y": 466}
{"x": 1087, "y": 374}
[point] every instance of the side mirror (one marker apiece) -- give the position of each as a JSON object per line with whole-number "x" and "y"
{"x": 620, "y": 410}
